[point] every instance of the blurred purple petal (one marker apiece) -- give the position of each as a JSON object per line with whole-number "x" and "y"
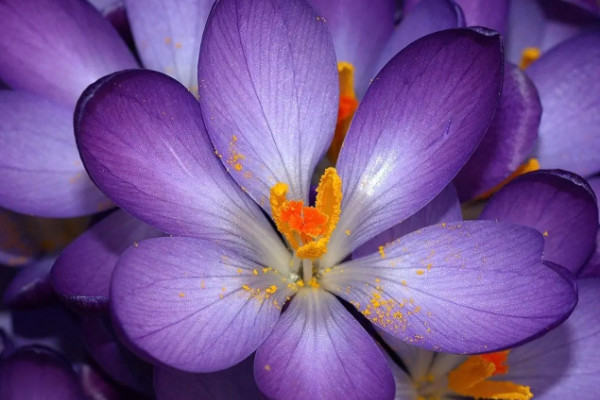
{"x": 564, "y": 361}
{"x": 97, "y": 386}
{"x": 269, "y": 93}
{"x": 235, "y": 383}
{"x": 16, "y": 247}
{"x": 474, "y": 286}
{"x": 318, "y": 350}
{"x": 40, "y": 170}
{"x": 509, "y": 139}
{"x": 568, "y": 81}
{"x": 559, "y": 204}
{"x": 37, "y": 373}
{"x": 31, "y": 286}
{"x": 118, "y": 362}
{"x": 422, "y": 118}
{"x": 57, "y": 47}
{"x": 359, "y": 29}
{"x": 82, "y": 272}
{"x": 425, "y": 18}
{"x": 445, "y": 207}
{"x": 193, "y": 305}
{"x": 142, "y": 139}
{"x": 168, "y": 35}
{"x": 491, "y": 14}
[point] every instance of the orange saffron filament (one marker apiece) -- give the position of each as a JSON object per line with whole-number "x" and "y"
{"x": 471, "y": 379}
{"x": 347, "y": 107}
{"x": 306, "y": 228}
{"x": 529, "y": 56}
{"x": 531, "y": 165}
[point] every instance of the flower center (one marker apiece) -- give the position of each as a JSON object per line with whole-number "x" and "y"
{"x": 471, "y": 379}
{"x": 348, "y": 105}
{"x": 308, "y": 229}
{"x": 528, "y": 56}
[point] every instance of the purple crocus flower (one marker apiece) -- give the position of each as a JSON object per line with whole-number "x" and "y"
{"x": 51, "y": 51}
{"x": 211, "y": 293}
{"x": 563, "y": 207}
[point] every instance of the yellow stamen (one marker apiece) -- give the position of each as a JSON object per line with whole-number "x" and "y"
{"x": 528, "y": 56}
{"x": 471, "y": 379}
{"x": 308, "y": 229}
{"x": 531, "y": 165}
{"x": 347, "y": 107}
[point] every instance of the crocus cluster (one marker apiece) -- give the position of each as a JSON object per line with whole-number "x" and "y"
{"x": 299, "y": 199}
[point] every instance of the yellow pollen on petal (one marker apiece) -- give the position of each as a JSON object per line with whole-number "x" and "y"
{"x": 528, "y": 56}
{"x": 347, "y": 108}
{"x": 471, "y": 379}
{"x": 307, "y": 228}
{"x": 531, "y": 165}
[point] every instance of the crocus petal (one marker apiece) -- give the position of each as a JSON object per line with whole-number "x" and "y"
{"x": 564, "y": 364}
{"x": 97, "y": 385}
{"x": 526, "y": 24}
{"x": 425, "y": 18}
{"x": 421, "y": 119}
{"x": 445, "y": 207}
{"x": 568, "y": 81}
{"x": 16, "y": 247}
{"x": 192, "y": 305}
{"x": 470, "y": 287}
{"x": 168, "y": 35}
{"x": 82, "y": 272}
{"x": 37, "y": 373}
{"x": 492, "y": 14}
{"x": 592, "y": 267}
{"x": 142, "y": 139}
{"x": 57, "y": 47}
{"x": 319, "y": 351}
{"x": 40, "y": 170}
{"x": 359, "y": 29}
{"x": 269, "y": 92}
{"x": 115, "y": 360}
{"x": 559, "y": 204}
{"x": 235, "y": 383}
{"x": 31, "y": 286}
{"x": 509, "y": 139}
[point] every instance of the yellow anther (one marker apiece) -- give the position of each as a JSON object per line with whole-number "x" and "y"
{"x": 347, "y": 107}
{"x": 528, "y": 56}
{"x": 471, "y": 379}
{"x": 308, "y": 229}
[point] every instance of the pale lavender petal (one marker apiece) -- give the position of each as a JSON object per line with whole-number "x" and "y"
{"x": 491, "y": 14}
{"x": 509, "y": 139}
{"x": 268, "y": 87}
{"x": 31, "y": 286}
{"x": 526, "y": 24}
{"x": 37, "y": 373}
{"x": 168, "y": 35}
{"x": 193, "y": 305}
{"x": 445, "y": 207}
{"x": 318, "y": 350}
{"x": 421, "y": 119}
{"x": 564, "y": 364}
{"x": 425, "y": 18}
{"x": 560, "y": 205}
{"x": 235, "y": 383}
{"x": 57, "y": 47}
{"x": 82, "y": 272}
{"x": 568, "y": 81}
{"x": 466, "y": 287}
{"x": 40, "y": 170}
{"x": 141, "y": 136}
{"x": 359, "y": 29}
{"x": 119, "y": 363}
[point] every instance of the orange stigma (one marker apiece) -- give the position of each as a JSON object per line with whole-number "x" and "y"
{"x": 347, "y": 107}
{"x": 471, "y": 379}
{"x": 308, "y": 229}
{"x": 528, "y": 56}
